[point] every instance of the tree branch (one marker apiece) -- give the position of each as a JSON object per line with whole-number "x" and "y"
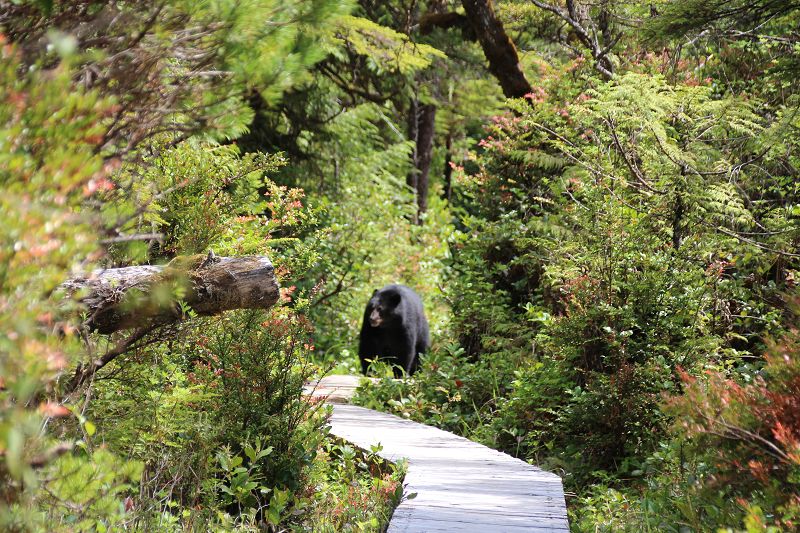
{"x": 497, "y": 47}
{"x": 629, "y": 162}
{"x": 84, "y": 373}
{"x": 590, "y": 41}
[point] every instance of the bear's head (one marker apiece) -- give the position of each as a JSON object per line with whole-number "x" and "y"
{"x": 383, "y": 305}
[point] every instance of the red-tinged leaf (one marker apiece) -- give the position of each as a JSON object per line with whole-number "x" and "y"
{"x": 54, "y": 410}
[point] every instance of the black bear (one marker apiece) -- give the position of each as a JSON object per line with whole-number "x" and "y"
{"x": 395, "y": 330}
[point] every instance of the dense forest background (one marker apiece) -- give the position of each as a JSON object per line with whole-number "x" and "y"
{"x": 597, "y": 201}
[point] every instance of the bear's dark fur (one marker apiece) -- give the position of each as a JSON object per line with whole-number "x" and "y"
{"x": 395, "y": 330}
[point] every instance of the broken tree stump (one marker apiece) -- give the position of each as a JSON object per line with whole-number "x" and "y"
{"x": 149, "y": 295}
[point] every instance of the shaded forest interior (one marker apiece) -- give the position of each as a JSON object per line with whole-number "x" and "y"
{"x": 598, "y": 203}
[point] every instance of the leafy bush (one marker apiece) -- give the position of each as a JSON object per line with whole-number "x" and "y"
{"x": 48, "y": 166}
{"x": 353, "y": 490}
{"x": 110, "y": 119}
{"x": 599, "y": 261}
{"x": 362, "y": 236}
{"x": 749, "y": 435}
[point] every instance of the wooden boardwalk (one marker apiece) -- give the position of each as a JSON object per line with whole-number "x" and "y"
{"x": 335, "y": 389}
{"x": 460, "y": 485}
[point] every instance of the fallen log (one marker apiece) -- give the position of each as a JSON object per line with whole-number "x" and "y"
{"x": 148, "y": 296}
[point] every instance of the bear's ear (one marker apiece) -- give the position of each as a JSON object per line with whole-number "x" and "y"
{"x": 394, "y": 299}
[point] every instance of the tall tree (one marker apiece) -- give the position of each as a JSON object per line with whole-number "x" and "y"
{"x": 421, "y": 129}
{"x": 498, "y": 48}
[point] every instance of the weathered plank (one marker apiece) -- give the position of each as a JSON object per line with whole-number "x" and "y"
{"x": 460, "y": 485}
{"x": 334, "y": 388}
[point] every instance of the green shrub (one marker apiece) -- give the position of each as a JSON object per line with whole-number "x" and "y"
{"x": 748, "y": 434}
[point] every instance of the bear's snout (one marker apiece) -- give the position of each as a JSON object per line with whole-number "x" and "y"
{"x": 375, "y": 318}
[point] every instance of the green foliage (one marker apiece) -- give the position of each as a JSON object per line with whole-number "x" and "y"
{"x": 690, "y": 15}
{"x": 747, "y": 432}
{"x": 355, "y": 490}
{"x": 48, "y": 166}
{"x": 385, "y": 48}
{"x": 273, "y": 56}
{"x": 242, "y": 485}
{"x": 364, "y": 237}
{"x": 226, "y": 440}
{"x": 198, "y": 196}
{"x": 599, "y": 247}
{"x": 435, "y": 396}
{"x": 612, "y": 236}
{"x": 256, "y": 366}
{"x": 109, "y": 123}
{"x": 86, "y": 492}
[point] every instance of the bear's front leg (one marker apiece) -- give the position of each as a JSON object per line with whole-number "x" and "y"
{"x": 407, "y": 355}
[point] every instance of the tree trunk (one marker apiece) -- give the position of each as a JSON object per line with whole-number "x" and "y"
{"x": 147, "y": 296}
{"x": 421, "y": 129}
{"x": 427, "y": 127}
{"x": 497, "y": 47}
{"x": 413, "y": 135}
{"x": 448, "y": 166}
